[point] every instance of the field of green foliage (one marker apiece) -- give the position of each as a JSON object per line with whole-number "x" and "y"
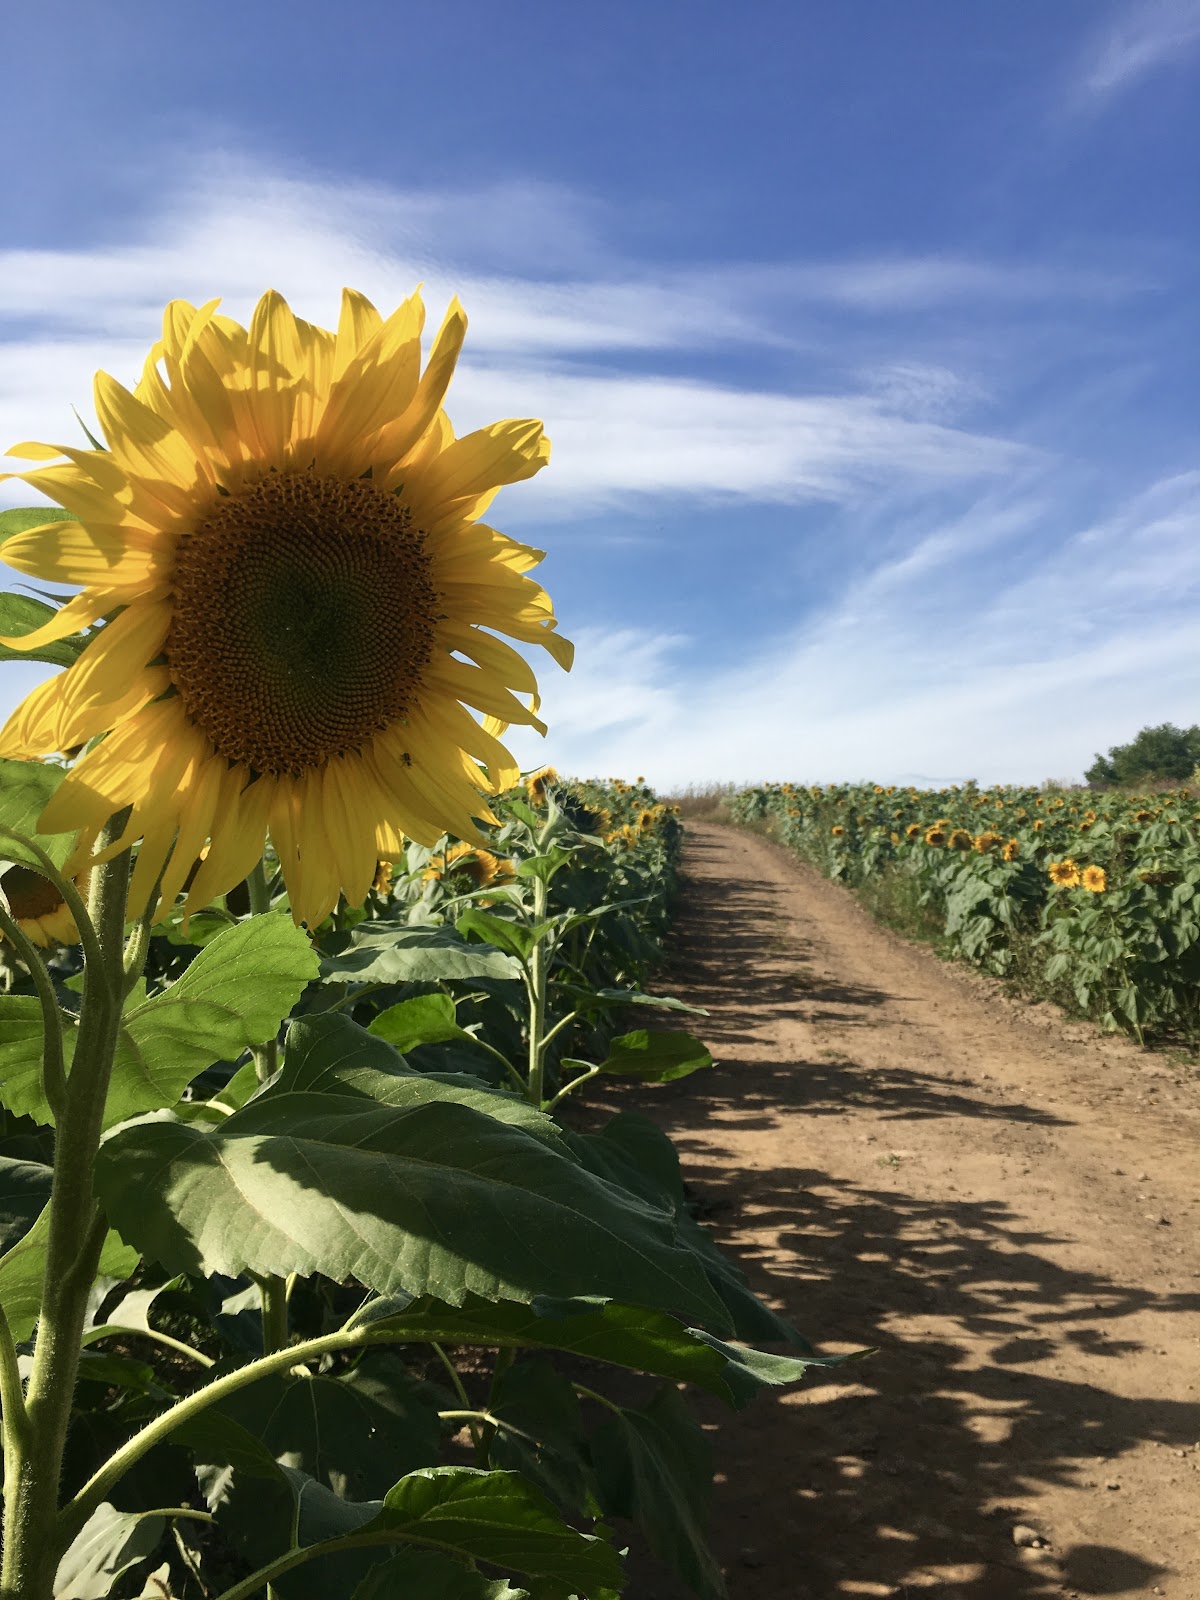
{"x": 1090, "y": 898}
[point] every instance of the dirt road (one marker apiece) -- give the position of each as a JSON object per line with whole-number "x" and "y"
{"x": 1004, "y": 1204}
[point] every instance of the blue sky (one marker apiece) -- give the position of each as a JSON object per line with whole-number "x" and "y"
{"x": 866, "y": 334}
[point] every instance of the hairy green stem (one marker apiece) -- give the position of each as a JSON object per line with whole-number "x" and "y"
{"x": 272, "y": 1288}
{"x": 32, "y": 1541}
{"x": 537, "y": 998}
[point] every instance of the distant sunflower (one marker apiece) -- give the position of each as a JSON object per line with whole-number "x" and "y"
{"x": 912, "y": 830}
{"x": 935, "y": 836}
{"x": 301, "y": 603}
{"x": 1143, "y": 816}
{"x": 480, "y": 866}
{"x": 837, "y": 832}
{"x": 537, "y": 783}
{"x": 1011, "y": 850}
{"x": 1095, "y": 879}
{"x": 960, "y": 839}
{"x": 1038, "y": 825}
{"x": 988, "y": 841}
{"x": 1064, "y": 874}
{"x": 38, "y": 909}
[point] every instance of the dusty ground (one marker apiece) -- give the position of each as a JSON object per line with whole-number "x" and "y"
{"x": 1003, "y": 1203}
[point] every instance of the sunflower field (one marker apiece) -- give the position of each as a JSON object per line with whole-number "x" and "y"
{"x": 1089, "y": 897}
{"x": 313, "y": 1282}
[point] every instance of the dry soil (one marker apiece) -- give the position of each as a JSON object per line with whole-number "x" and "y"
{"x": 1002, "y": 1202}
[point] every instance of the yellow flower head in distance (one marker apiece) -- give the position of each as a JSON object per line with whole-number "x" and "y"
{"x": 960, "y": 839}
{"x": 837, "y": 832}
{"x": 382, "y": 883}
{"x": 1038, "y": 825}
{"x": 37, "y": 907}
{"x": 480, "y": 866}
{"x": 912, "y": 830}
{"x": 988, "y": 841}
{"x": 1064, "y": 874}
{"x": 1094, "y": 878}
{"x": 935, "y": 836}
{"x": 536, "y": 784}
{"x": 302, "y": 603}
{"x": 1011, "y": 850}
{"x": 1143, "y": 816}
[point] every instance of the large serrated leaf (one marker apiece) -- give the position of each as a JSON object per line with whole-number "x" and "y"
{"x": 331, "y": 1054}
{"x": 233, "y": 995}
{"x": 396, "y": 953}
{"x": 432, "y": 1199}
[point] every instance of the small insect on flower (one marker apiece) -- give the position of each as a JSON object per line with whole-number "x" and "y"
{"x": 1064, "y": 874}
{"x": 1095, "y": 879}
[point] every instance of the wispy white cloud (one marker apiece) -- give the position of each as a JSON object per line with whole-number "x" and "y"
{"x": 560, "y": 349}
{"x": 1138, "y": 40}
{"x": 1026, "y": 679}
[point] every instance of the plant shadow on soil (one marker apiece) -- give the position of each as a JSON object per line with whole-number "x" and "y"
{"x": 920, "y": 1459}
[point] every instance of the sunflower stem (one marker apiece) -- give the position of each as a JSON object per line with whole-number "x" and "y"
{"x": 272, "y": 1288}
{"x": 32, "y": 1540}
{"x": 537, "y": 997}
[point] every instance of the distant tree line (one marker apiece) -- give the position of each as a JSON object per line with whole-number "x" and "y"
{"x": 1165, "y": 753}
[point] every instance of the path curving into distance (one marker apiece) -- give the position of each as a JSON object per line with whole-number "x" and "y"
{"x": 1005, "y": 1204}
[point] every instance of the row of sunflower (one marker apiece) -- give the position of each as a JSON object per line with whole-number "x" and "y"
{"x": 299, "y": 1254}
{"x": 1091, "y": 898}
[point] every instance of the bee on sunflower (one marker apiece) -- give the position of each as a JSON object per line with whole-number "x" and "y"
{"x": 302, "y": 607}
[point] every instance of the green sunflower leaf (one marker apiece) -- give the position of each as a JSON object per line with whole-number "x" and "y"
{"x": 19, "y": 519}
{"x": 655, "y": 1467}
{"x": 23, "y": 1272}
{"x": 21, "y": 613}
{"x": 383, "y": 952}
{"x": 633, "y": 1337}
{"x": 233, "y": 995}
{"x": 331, "y": 1054}
{"x": 435, "y": 1199}
{"x": 108, "y": 1544}
{"x": 426, "y": 1572}
{"x": 25, "y": 791}
{"x": 425, "y": 1019}
{"x": 655, "y": 1057}
{"x": 21, "y": 1056}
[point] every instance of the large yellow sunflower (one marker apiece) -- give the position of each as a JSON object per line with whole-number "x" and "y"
{"x": 299, "y": 603}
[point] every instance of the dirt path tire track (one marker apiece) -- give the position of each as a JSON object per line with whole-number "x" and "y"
{"x": 1006, "y": 1206}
